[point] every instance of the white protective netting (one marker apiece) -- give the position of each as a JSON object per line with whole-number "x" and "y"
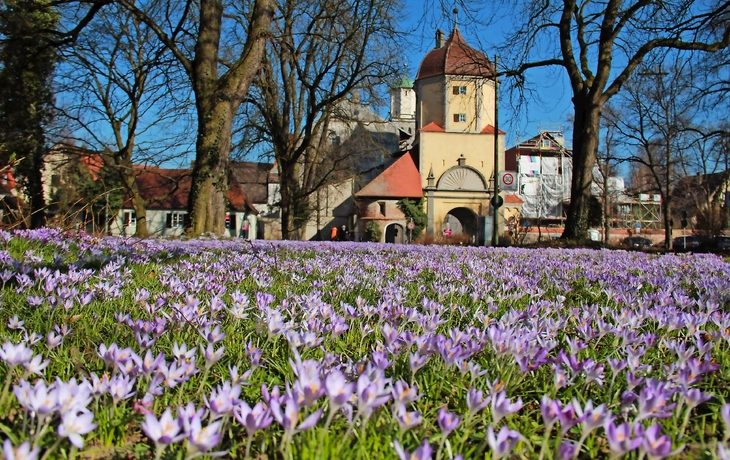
{"x": 543, "y": 194}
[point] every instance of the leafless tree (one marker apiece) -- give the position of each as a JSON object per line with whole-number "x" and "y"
{"x": 121, "y": 93}
{"x": 321, "y": 50}
{"x": 653, "y": 118}
{"x": 220, "y": 46}
{"x": 604, "y": 175}
{"x": 600, "y": 46}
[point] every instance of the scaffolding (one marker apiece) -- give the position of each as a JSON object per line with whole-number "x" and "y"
{"x": 643, "y": 212}
{"x": 545, "y": 169}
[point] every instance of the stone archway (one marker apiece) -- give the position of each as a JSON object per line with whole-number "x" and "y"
{"x": 462, "y": 223}
{"x": 395, "y": 233}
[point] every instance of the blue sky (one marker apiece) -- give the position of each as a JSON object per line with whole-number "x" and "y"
{"x": 551, "y": 106}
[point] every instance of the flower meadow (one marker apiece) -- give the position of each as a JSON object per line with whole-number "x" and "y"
{"x": 117, "y": 347}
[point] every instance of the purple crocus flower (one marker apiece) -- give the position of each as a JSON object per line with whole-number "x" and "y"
{"x": 657, "y": 446}
{"x": 417, "y": 361}
{"x": 201, "y": 440}
{"x": 475, "y": 400}
{"x": 423, "y": 452}
{"x": 211, "y": 355}
{"x": 288, "y": 416}
{"x": 619, "y": 437}
{"x": 589, "y": 417}
{"x": 550, "y": 410}
{"x": 404, "y": 394}
{"x": 338, "y": 389}
{"x": 407, "y": 419}
{"x": 39, "y": 398}
{"x": 503, "y": 443}
{"x": 448, "y": 421}
{"x": 371, "y": 393}
{"x": 723, "y": 453}
{"x": 74, "y": 424}
{"x": 35, "y": 365}
{"x": 567, "y": 450}
{"x": 501, "y": 406}
{"x": 223, "y": 399}
{"x": 15, "y": 355}
{"x": 22, "y": 452}
{"x": 694, "y": 397}
{"x": 164, "y": 431}
{"x": 253, "y": 419}
{"x": 53, "y": 340}
{"x": 71, "y": 395}
{"x": 653, "y": 401}
{"x": 121, "y": 388}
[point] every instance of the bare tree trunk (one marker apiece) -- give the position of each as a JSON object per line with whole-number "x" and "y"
{"x": 585, "y": 140}
{"x": 217, "y": 100}
{"x": 34, "y": 188}
{"x": 210, "y": 172}
{"x": 606, "y": 206}
{"x": 287, "y": 188}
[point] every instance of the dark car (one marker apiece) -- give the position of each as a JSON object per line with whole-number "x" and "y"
{"x": 636, "y": 242}
{"x": 686, "y": 242}
{"x": 722, "y": 242}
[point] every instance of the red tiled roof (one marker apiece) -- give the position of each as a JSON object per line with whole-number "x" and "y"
{"x": 489, "y": 129}
{"x": 7, "y": 182}
{"x": 253, "y": 178}
{"x": 513, "y": 199}
{"x": 456, "y": 57}
{"x": 432, "y": 128}
{"x": 94, "y": 163}
{"x": 399, "y": 180}
{"x": 156, "y": 184}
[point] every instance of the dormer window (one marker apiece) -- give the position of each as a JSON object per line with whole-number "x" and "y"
{"x": 545, "y": 143}
{"x": 459, "y": 89}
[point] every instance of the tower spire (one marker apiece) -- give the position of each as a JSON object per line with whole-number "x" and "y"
{"x": 456, "y": 18}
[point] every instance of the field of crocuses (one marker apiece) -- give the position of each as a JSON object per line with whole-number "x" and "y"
{"x": 295, "y": 350}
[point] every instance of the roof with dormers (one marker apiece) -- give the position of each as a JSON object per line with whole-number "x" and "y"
{"x": 456, "y": 57}
{"x": 399, "y": 180}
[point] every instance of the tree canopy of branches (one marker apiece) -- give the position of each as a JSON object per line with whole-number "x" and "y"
{"x": 219, "y": 46}
{"x": 321, "y": 50}
{"x": 26, "y": 100}
{"x": 601, "y": 45}
{"x": 123, "y": 98}
{"x": 653, "y": 117}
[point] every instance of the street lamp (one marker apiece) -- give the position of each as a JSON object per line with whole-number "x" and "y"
{"x": 496, "y": 200}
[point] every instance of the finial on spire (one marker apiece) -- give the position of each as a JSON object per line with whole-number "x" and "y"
{"x": 456, "y": 18}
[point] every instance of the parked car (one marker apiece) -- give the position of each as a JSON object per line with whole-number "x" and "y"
{"x": 686, "y": 242}
{"x": 636, "y": 242}
{"x": 722, "y": 242}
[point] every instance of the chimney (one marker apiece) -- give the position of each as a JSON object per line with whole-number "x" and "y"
{"x": 439, "y": 38}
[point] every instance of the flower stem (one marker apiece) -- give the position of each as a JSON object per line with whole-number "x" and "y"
{"x": 545, "y": 439}
{"x": 52, "y": 448}
{"x": 6, "y": 388}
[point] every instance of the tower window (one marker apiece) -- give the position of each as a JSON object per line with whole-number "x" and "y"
{"x": 460, "y": 117}
{"x": 381, "y": 204}
{"x": 459, "y": 89}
